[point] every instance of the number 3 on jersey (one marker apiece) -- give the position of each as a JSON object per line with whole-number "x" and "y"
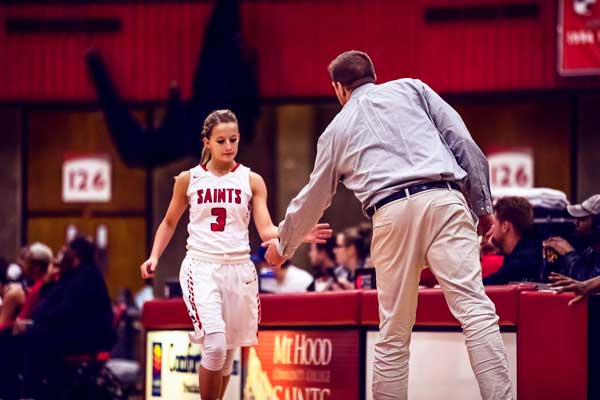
{"x": 221, "y": 214}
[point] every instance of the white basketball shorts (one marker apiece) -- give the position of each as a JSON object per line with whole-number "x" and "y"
{"x": 221, "y": 298}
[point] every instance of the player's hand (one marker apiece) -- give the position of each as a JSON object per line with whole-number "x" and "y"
{"x": 560, "y": 245}
{"x": 148, "y": 267}
{"x": 485, "y": 227}
{"x": 319, "y": 234}
{"x": 272, "y": 256}
{"x": 562, "y": 283}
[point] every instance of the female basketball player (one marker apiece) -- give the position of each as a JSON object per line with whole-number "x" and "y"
{"x": 218, "y": 280}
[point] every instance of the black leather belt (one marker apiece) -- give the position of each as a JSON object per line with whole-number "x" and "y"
{"x": 413, "y": 189}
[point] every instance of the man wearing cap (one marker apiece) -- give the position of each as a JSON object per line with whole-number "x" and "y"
{"x": 402, "y": 149}
{"x": 584, "y": 264}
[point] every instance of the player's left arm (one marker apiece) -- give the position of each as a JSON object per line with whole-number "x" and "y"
{"x": 260, "y": 212}
{"x": 262, "y": 219}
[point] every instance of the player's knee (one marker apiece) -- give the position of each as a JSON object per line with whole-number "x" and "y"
{"x": 215, "y": 351}
{"x": 228, "y": 365}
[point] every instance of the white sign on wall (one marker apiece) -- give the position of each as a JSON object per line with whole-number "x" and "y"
{"x": 511, "y": 168}
{"x": 172, "y": 363}
{"x": 86, "y": 178}
{"x": 439, "y": 367}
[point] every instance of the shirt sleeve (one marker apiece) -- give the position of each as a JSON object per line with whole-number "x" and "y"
{"x": 307, "y": 207}
{"x": 466, "y": 152}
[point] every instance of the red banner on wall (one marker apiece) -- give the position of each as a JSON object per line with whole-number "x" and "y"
{"x": 579, "y": 37}
{"x": 303, "y": 365}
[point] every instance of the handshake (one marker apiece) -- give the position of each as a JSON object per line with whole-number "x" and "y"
{"x": 319, "y": 234}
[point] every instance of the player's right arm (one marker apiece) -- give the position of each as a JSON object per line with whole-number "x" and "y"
{"x": 164, "y": 233}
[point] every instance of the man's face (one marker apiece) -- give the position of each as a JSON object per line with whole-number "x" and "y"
{"x": 583, "y": 227}
{"x": 499, "y": 232}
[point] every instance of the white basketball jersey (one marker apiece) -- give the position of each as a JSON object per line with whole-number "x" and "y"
{"x": 219, "y": 211}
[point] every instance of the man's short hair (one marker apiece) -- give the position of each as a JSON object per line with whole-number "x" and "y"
{"x": 352, "y": 69}
{"x": 328, "y": 247}
{"x": 84, "y": 249}
{"x": 517, "y": 211}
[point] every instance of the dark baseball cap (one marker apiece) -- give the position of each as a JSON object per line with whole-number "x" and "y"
{"x": 587, "y": 207}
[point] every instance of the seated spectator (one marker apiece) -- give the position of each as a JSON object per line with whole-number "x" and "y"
{"x": 512, "y": 235}
{"x": 351, "y": 252}
{"x": 288, "y": 279}
{"x": 12, "y": 294}
{"x": 35, "y": 268}
{"x": 322, "y": 260}
{"x": 74, "y": 316}
{"x": 585, "y": 264}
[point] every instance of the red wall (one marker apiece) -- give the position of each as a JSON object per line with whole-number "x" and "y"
{"x": 295, "y": 41}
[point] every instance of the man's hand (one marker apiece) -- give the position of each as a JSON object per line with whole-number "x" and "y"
{"x": 560, "y": 245}
{"x": 485, "y": 227}
{"x": 148, "y": 267}
{"x": 272, "y": 256}
{"x": 319, "y": 234}
{"x": 563, "y": 283}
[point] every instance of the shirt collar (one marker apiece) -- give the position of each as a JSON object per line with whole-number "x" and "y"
{"x": 361, "y": 89}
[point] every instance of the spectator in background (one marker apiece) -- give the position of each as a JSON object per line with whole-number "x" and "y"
{"x": 322, "y": 260}
{"x": 35, "y": 267}
{"x": 74, "y": 316}
{"x": 12, "y": 295}
{"x": 585, "y": 264}
{"x": 289, "y": 279}
{"x": 144, "y": 294}
{"x": 351, "y": 252}
{"x": 512, "y": 234}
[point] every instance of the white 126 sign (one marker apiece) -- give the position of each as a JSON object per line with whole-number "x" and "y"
{"x": 86, "y": 178}
{"x": 511, "y": 168}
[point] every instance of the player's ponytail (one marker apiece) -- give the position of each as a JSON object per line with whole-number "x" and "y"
{"x": 205, "y": 158}
{"x": 213, "y": 119}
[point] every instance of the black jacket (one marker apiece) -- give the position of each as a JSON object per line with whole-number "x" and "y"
{"x": 75, "y": 313}
{"x": 525, "y": 263}
{"x": 582, "y": 265}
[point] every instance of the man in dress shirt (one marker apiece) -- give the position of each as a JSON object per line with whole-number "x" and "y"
{"x": 402, "y": 149}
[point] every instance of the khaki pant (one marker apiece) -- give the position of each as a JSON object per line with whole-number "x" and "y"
{"x": 433, "y": 228}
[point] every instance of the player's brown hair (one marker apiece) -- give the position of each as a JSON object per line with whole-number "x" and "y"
{"x": 352, "y": 69}
{"x": 517, "y": 211}
{"x": 213, "y": 119}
